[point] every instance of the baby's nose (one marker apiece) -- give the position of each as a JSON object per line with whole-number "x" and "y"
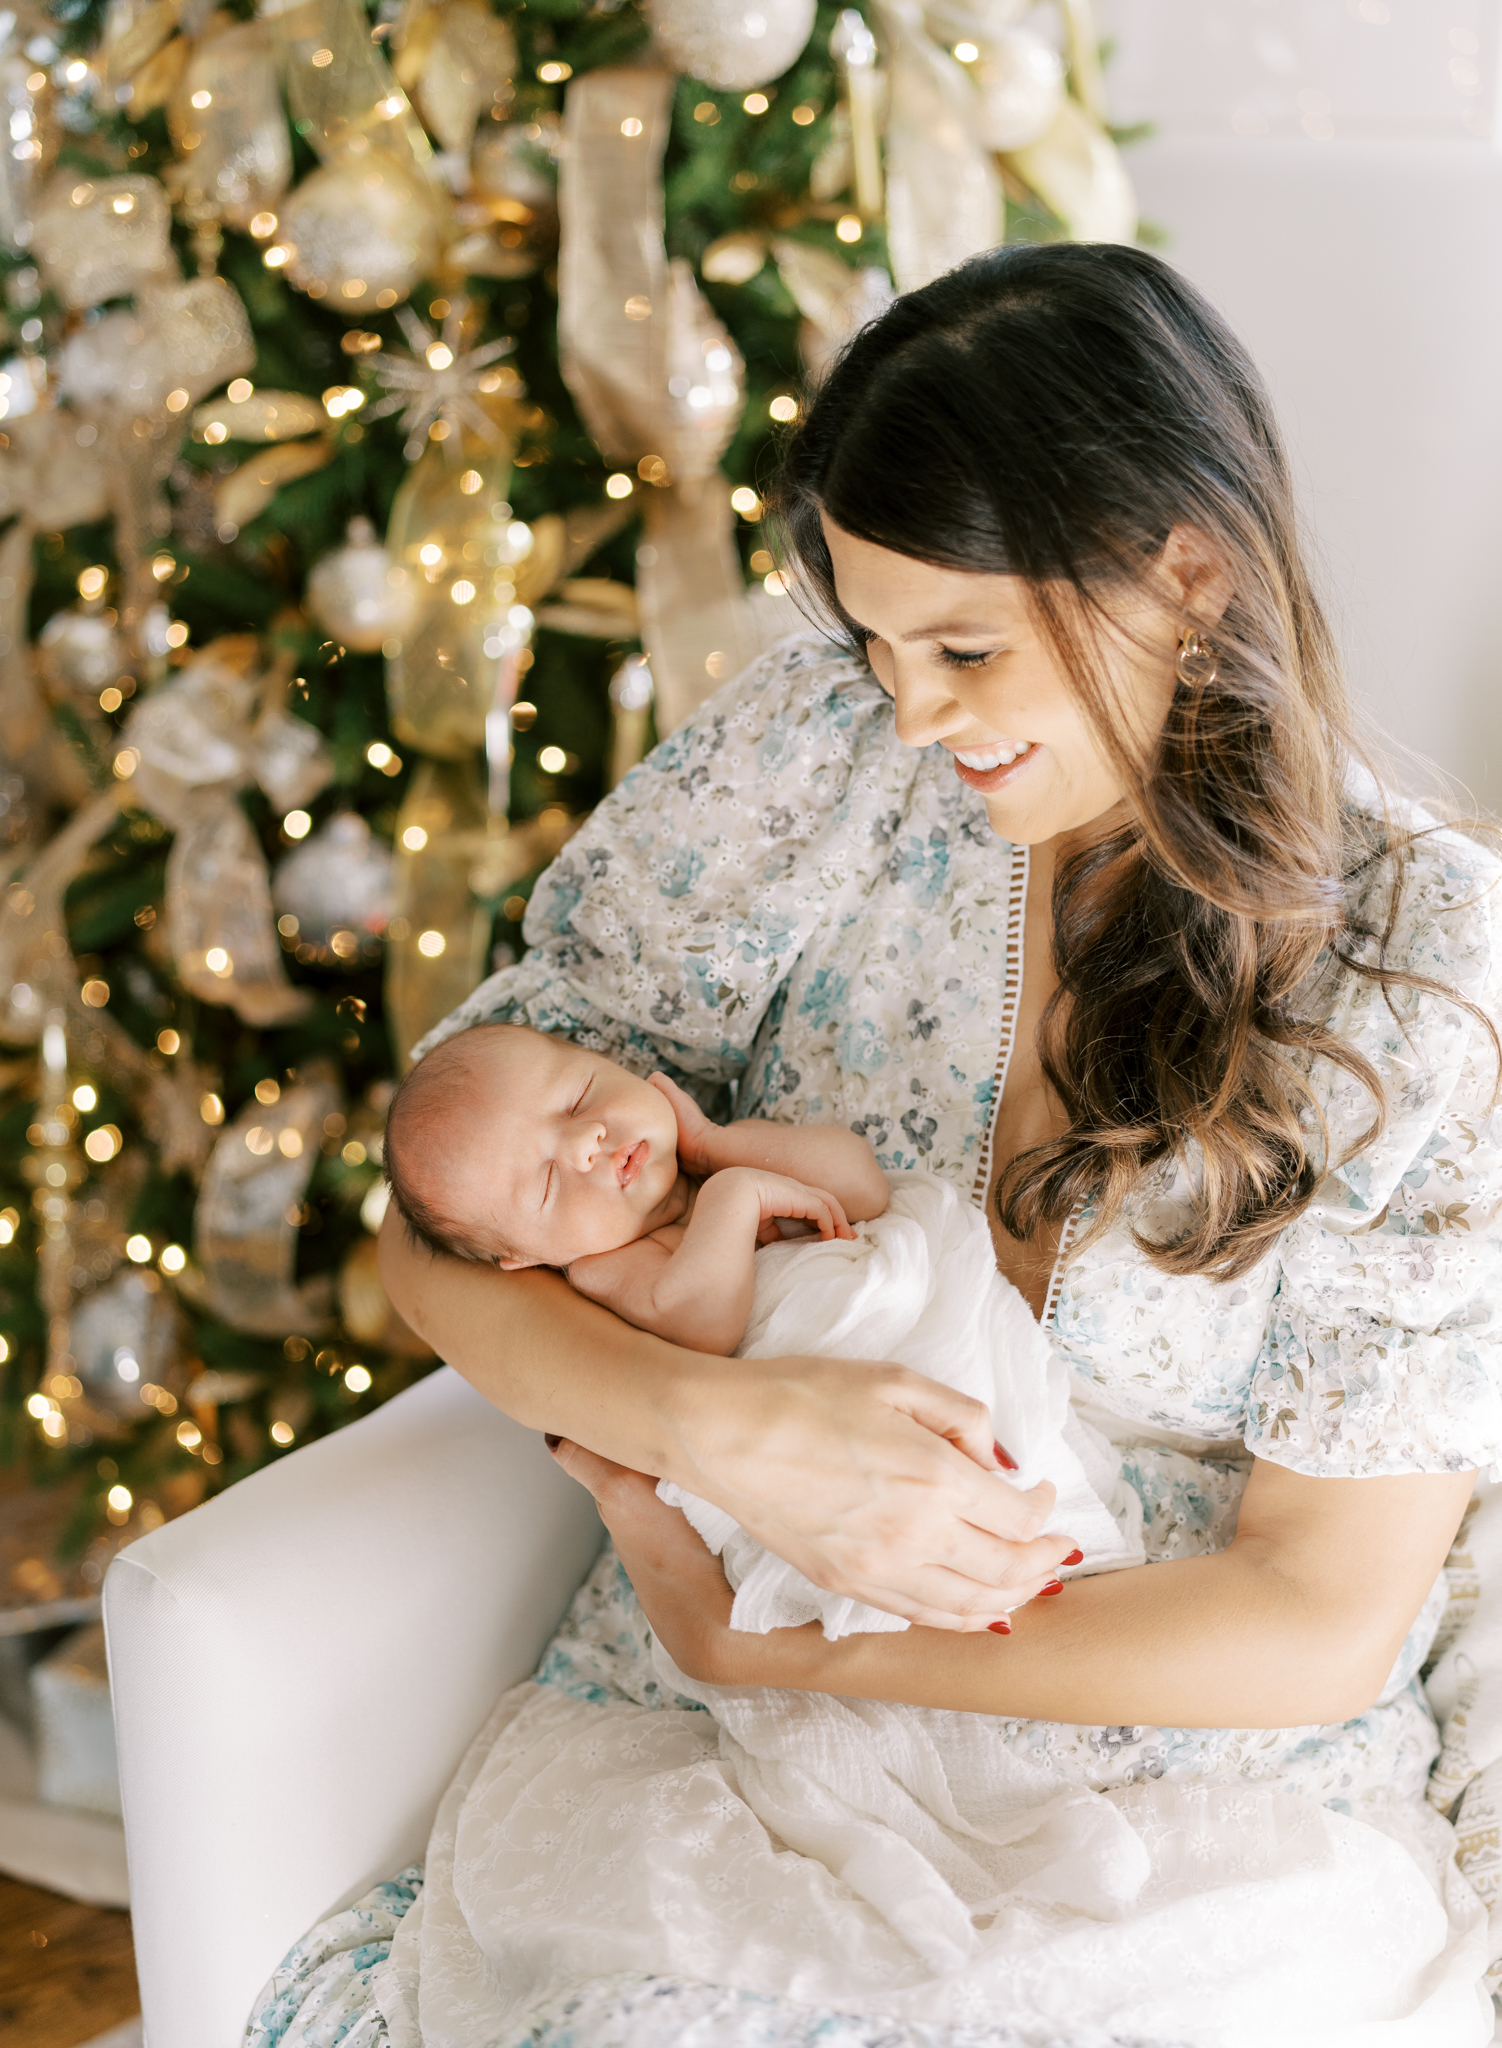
{"x": 586, "y": 1141}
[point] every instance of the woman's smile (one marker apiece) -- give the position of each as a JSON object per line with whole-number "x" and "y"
{"x": 988, "y": 769}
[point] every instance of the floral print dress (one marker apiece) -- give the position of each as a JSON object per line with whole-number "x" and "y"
{"x": 800, "y": 918}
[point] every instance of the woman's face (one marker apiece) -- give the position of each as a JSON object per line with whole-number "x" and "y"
{"x": 964, "y": 662}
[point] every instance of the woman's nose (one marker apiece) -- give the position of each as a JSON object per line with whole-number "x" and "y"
{"x": 925, "y": 708}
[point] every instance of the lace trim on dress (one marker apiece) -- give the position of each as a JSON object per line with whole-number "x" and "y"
{"x": 1011, "y": 998}
{"x": 1061, "y": 1259}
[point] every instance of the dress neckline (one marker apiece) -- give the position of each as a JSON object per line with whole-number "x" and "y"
{"x": 1013, "y": 962}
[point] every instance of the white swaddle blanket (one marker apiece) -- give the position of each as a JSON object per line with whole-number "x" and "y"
{"x": 918, "y": 1286}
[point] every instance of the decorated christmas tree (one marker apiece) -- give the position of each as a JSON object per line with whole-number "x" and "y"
{"x": 381, "y": 419}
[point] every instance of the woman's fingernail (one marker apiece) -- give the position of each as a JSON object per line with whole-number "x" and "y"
{"x": 1053, "y": 1586}
{"x": 1074, "y": 1557}
{"x": 1004, "y": 1458}
{"x": 553, "y": 1442}
{"x": 999, "y": 1628}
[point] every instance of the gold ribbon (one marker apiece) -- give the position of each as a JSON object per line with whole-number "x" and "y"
{"x": 655, "y": 376}
{"x": 944, "y": 200}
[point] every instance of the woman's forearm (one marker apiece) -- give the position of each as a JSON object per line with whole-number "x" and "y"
{"x": 1298, "y": 1621}
{"x": 869, "y": 1479}
{"x": 1207, "y": 1642}
{"x": 543, "y": 1354}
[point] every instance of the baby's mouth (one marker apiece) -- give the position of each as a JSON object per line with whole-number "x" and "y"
{"x": 632, "y": 1164}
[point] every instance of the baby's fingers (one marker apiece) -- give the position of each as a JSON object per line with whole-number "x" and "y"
{"x": 829, "y": 1215}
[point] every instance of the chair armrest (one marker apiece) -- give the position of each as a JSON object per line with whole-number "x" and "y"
{"x": 297, "y": 1668}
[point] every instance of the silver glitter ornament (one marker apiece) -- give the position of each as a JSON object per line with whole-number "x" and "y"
{"x": 359, "y": 594}
{"x": 362, "y": 231}
{"x": 82, "y": 650}
{"x": 339, "y": 880}
{"x": 126, "y": 1335}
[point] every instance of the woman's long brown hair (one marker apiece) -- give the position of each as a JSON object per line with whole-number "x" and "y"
{"x": 1055, "y": 413}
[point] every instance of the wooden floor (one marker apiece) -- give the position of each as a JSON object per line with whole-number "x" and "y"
{"x": 67, "y": 1972}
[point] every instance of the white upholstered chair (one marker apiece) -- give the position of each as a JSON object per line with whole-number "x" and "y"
{"x": 297, "y": 1668}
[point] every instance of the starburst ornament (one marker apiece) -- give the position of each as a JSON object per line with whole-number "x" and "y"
{"x": 436, "y": 383}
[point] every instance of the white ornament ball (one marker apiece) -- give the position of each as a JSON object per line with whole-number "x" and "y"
{"x": 359, "y": 595}
{"x": 1021, "y": 84}
{"x": 340, "y": 879}
{"x": 361, "y": 233}
{"x": 731, "y": 44}
{"x": 83, "y": 650}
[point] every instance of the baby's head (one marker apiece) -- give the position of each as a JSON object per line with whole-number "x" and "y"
{"x": 515, "y": 1149}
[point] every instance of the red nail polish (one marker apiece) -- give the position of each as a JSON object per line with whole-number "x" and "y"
{"x": 1053, "y": 1586}
{"x": 999, "y": 1628}
{"x": 1004, "y": 1458}
{"x": 1074, "y": 1557}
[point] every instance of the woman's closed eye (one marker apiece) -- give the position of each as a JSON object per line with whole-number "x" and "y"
{"x": 947, "y": 657}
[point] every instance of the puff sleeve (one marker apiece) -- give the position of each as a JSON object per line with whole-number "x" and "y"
{"x": 1383, "y": 1351}
{"x": 661, "y": 933}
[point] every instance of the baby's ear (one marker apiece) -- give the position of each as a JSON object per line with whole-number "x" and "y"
{"x": 515, "y": 1265}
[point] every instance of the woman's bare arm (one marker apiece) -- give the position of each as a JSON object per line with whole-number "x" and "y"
{"x": 1297, "y": 1622}
{"x": 871, "y": 1480}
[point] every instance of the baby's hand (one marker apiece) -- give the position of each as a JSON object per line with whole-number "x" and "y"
{"x": 778, "y": 1195}
{"x": 695, "y": 1131}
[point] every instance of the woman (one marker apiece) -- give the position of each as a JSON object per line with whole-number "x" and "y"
{"x": 1065, "y": 887}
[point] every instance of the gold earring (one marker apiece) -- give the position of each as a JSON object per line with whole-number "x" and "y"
{"x": 1197, "y": 663}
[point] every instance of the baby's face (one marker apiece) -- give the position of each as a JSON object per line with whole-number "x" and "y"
{"x": 569, "y": 1153}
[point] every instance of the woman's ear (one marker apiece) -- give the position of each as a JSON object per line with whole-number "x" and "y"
{"x": 1197, "y": 575}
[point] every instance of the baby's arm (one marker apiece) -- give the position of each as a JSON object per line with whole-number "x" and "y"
{"x": 824, "y": 1155}
{"x": 692, "y": 1285}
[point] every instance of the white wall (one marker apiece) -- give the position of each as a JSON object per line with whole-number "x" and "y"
{"x": 1328, "y": 172}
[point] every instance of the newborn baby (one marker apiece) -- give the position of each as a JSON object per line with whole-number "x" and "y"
{"x": 517, "y": 1149}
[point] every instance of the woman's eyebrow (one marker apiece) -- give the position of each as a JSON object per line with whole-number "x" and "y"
{"x": 955, "y": 629}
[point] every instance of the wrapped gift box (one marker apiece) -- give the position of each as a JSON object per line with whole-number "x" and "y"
{"x": 75, "y": 1731}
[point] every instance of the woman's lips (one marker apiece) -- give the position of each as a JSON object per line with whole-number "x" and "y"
{"x": 988, "y": 780}
{"x": 633, "y": 1163}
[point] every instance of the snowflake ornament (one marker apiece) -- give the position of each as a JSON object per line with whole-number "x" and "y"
{"x": 436, "y": 383}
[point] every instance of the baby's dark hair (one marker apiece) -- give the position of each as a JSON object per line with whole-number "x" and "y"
{"x": 420, "y": 1103}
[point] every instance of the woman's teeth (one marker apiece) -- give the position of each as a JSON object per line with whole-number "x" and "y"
{"x": 993, "y": 757}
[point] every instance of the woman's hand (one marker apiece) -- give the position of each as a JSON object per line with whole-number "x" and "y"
{"x": 683, "y": 1590}
{"x": 873, "y": 1482}
{"x": 679, "y": 1582}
